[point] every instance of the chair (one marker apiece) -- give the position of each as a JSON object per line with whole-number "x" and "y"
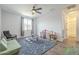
{"x": 9, "y": 47}
{"x": 8, "y": 35}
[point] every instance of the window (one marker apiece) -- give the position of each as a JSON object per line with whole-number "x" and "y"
{"x": 27, "y": 24}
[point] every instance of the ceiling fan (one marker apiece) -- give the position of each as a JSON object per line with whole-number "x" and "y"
{"x": 36, "y": 10}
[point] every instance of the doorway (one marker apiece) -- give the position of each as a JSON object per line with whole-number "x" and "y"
{"x": 70, "y": 26}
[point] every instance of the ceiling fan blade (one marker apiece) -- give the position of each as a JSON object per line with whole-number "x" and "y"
{"x": 38, "y": 12}
{"x": 39, "y": 9}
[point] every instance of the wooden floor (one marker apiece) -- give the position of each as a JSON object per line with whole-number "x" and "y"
{"x": 58, "y": 49}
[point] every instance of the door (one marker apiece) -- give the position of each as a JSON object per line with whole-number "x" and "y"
{"x": 70, "y": 25}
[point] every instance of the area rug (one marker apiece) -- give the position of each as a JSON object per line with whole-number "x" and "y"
{"x": 34, "y": 47}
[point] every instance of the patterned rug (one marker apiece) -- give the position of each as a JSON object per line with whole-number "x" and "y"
{"x": 32, "y": 46}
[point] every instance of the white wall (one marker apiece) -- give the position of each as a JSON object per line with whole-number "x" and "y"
{"x": 0, "y": 22}
{"x": 78, "y": 27}
{"x": 51, "y": 21}
{"x": 34, "y": 26}
{"x": 11, "y": 22}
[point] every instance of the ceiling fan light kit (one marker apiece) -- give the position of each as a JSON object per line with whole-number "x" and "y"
{"x": 33, "y": 12}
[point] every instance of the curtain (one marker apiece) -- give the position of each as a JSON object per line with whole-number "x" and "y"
{"x": 22, "y": 28}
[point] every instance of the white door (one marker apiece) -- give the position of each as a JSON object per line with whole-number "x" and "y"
{"x": 70, "y": 25}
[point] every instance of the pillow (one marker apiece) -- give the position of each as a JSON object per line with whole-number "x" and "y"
{"x": 3, "y": 46}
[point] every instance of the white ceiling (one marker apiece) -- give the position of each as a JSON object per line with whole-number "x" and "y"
{"x": 25, "y": 9}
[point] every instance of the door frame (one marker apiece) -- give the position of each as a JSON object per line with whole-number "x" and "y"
{"x": 64, "y": 22}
